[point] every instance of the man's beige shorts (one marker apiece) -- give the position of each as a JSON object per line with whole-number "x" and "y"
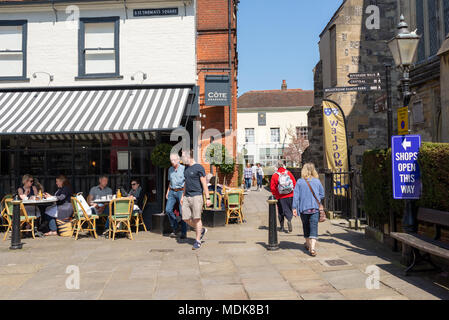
{"x": 192, "y": 207}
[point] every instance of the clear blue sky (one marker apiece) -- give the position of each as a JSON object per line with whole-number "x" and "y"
{"x": 278, "y": 40}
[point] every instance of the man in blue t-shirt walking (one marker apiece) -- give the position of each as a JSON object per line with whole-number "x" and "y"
{"x": 192, "y": 199}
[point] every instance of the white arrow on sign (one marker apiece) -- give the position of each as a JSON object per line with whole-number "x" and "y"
{"x": 406, "y": 144}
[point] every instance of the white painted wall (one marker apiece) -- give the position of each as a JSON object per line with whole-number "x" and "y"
{"x": 282, "y": 118}
{"x": 161, "y": 46}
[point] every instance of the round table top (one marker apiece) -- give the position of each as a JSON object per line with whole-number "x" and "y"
{"x": 38, "y": 202}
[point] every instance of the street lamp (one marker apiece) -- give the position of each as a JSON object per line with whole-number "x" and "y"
{"x": 403, "y": 48}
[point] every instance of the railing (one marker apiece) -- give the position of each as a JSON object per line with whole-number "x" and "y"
{"x": 344, "y": 196}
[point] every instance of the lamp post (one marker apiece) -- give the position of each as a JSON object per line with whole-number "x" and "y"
{"x": 403, "y": 48}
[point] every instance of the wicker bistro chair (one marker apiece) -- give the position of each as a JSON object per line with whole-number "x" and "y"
{"x": 138, "y": 216}
{"x": 4, "y": 219}
{"x": 215, "y": 197}
{"x": 234, "y": 205}
{"x": 120, "y": 211}
{"x": 24, "y": 218}
{"x": 82, "y": 221}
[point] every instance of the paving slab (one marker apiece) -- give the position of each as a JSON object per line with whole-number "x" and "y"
{"x": 156, "y": 267}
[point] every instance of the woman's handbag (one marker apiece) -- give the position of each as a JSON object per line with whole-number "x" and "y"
{"x": 322, "y": 211}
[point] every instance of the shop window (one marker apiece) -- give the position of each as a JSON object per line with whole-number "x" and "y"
{"x": 13, "y": 38}
{"x": 99, "y": 47}
{"x": 249, "y": 135}
{"x": 275, "y": 135}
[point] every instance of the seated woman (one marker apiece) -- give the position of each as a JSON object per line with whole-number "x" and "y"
{"x": 62, "y": 209}
{"x": 137, "y": 193}
{"x": 28, "y": 191}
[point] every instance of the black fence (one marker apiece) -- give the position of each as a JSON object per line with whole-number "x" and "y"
{"x": 344, "y": 196}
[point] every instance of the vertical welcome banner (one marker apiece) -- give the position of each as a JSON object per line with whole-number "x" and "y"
{"x": 335, "y": 143}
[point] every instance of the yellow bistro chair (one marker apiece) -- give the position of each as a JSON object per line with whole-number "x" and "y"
{"x": 234, "y": 205}
{"x": 4, "y": 214}
{"x": 214, "y": 197}
{"x": 24, "y": 218}
{"x": 82, "y": 221}
{"x": 138, "y": 216}
{"x": 120, "y": 211}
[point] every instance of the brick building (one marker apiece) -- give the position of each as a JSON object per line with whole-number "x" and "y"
{"x": 131, "y": 73}
{"x": 217, "y": 55}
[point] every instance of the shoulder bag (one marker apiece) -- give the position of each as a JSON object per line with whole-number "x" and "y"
{"x": 322, "y": 211}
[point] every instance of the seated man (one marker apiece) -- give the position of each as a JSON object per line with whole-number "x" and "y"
{"x": 211, "y": 188}
{"x": 96, "y": 193}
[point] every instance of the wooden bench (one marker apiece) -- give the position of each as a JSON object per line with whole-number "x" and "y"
{"x": 420, "y": 243}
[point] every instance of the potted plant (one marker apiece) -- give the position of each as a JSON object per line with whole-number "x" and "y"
{"x": 217, "y": 155}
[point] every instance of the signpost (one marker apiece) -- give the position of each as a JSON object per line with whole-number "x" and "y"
{"x": 406, "y": 171}
{"x": 403, "y": 121}
{"x": 351, "y": 89}
{"x": 364, "y": 82}
{"x": 364, "y": 75}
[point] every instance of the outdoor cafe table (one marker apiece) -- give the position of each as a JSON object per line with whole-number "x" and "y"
{"x": 39, "y": 202}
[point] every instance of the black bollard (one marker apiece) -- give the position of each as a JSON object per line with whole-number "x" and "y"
{"x": 15, "y": 236}
{"x": 272, "y": 225}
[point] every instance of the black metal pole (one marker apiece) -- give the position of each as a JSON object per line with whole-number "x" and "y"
{"x": 389, "y": 104}
{"x": 408, "y": 221}
{"x": 273, "y": 243}
{"x": 15, "y": 236}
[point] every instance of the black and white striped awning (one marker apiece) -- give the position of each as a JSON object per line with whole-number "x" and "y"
{"x": 81, "y": 111}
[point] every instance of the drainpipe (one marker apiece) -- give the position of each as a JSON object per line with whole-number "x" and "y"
{"x": 230, "y": 62}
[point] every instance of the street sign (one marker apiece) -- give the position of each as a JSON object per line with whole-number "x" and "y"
{"x": 406, "y": 171}
{"x": 365, "y": 81}
{"x": 364, "y": 75}
{"x": 403, "y": 121}
{"x": 354, "y": 88}
{"x": 381, "y": 104}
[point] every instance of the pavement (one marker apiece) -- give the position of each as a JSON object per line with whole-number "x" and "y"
{"x": 233, "y": 264}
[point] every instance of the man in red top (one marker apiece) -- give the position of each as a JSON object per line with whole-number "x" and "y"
{"x": 282, "y": 185}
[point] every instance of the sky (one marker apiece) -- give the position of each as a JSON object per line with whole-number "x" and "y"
{"x": 278, "y": 40}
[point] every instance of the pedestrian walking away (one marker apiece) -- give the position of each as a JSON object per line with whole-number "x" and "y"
{"x": 248, "y": 176}
{"x": 254, "y": 169}
{"x": 174, "y": 194}
{"x": 282, "y": 186}
{"x": 260, "y": 175}
{"x": 307, "y": 199}
{"x": 192, "y": 198}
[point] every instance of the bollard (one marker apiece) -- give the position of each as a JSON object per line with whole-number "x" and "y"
{"x": 15, "y": 235}
{"x": 272, "y": 225}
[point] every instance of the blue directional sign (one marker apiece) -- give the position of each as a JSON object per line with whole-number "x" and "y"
{"x": 406, "y": 171}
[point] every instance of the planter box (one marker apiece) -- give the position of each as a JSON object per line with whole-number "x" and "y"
{"x": 214, "y": 218}
{"x": 160, "y": 224}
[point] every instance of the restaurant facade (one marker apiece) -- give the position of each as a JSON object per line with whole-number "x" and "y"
{"x": 92, "y": 87}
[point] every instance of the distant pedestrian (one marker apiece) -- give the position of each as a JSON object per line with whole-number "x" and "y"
{"x": 192, "y": 199}
{"x": 282, "y": 186}
{"x": 254, "y": 169}
{"x": 260, "y": 176}
{"x": 248, "y": 176}
{"x": 307, "y": 199}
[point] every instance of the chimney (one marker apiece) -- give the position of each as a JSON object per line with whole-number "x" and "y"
{"x": 284, "y": 85}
